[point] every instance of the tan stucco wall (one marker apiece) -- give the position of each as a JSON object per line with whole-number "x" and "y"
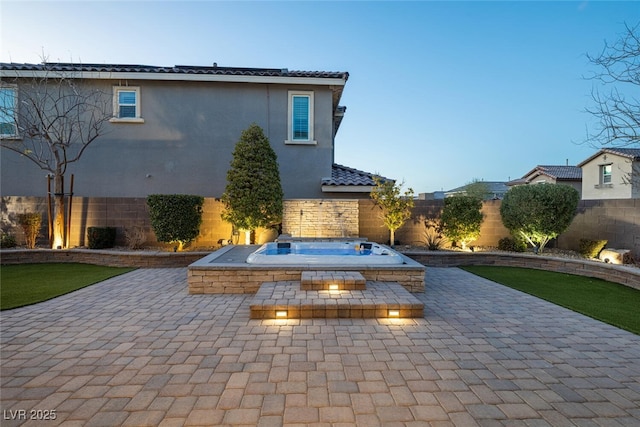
{"x": 618, "y": 189}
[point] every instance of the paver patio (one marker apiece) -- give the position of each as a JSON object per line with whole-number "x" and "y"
{"x": 139, "y": 350}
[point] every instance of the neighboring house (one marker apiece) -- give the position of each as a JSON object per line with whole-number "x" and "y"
{"x": 552, "y": 174}
{"x": 174, "y": 130}
{"x": 611, "y": 173}
{"x": 494, "y": 190}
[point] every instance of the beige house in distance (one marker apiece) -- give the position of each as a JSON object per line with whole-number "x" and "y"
{"x": 611, "y": 173}
{"x": 552, "y": 174}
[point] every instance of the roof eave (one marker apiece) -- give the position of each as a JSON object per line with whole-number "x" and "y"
{"x": 119, "y": 75}
{"x": 608, "y": 151}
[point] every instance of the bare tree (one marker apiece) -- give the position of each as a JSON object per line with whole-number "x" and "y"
{"x": 55, "y": 117}
{"x": 618, "y": 109}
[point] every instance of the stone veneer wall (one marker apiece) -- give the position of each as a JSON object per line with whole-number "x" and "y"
{"x": 139, "y": 259}
{"x": 625, "y": 275}
{"x": 321, "y": 218}
{"x": 230, "y": 280}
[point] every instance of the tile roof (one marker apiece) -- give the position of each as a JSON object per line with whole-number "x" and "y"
{"x": 557, "y": 172}
{"x": 343, "y": 175}
{"x": 630, "y": 153}
{"x": 176, "y": 69}
{"x": 494, "y": 187}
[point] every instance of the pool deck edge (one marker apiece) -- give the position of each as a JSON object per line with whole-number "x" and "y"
{"x": 226, "y": 271}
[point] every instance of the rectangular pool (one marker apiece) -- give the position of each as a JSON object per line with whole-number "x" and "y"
{"x": 352, "y": 253}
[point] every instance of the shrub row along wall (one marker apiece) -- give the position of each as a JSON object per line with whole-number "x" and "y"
{"x": 617, "y": 221}
{"x": 122, "y": 213}
{"x": 413, "y": 231}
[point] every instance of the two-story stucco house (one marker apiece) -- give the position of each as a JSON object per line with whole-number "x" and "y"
{"x": 611, "y": 173}
{"x": 173, "y": 130}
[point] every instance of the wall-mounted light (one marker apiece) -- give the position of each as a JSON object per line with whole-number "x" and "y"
{"x": 393, "y": 313}
{"x": 333, "y": 287}
{"x": 281, "y": 314}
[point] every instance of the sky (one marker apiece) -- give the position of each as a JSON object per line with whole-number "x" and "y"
{"x": 439, "y": 93}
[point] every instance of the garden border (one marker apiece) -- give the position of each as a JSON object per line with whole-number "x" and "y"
{"x": 625, "y": 275}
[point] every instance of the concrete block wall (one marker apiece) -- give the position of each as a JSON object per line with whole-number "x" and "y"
{"x": 120, "y": 212}
{"x": 412, "y": 232}
{"x": 617, "y": 221}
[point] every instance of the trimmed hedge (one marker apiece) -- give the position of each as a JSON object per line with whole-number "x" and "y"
{"x": 175, "y": 218}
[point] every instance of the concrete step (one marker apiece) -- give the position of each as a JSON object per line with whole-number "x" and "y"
{"x": 332, "y": 280}
{"x": 286, "y": 300}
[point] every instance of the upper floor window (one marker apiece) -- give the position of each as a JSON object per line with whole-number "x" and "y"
{"x": 8, "y": 105}
{"x": 605, "y": 174}
{"x": 126, "y": 104}
{"x": 300, "y": 118}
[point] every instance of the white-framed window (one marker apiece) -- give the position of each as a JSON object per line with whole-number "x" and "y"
{"x": 8, "y": 106}
{"x": 126, "y": 104}
{"x": 300, "y": 118}
{"x": 605, "y": 174}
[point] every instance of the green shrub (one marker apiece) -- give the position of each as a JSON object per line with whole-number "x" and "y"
{"x": 512, "y": 245}
{"x": 175, "y": 218}
{"x": 7, "y": 241}
{"x": 591, "y": 248}
{"x": 253, "y": 195}
{"x": 30, "y": 223}
{"x": 101, "y": 237}
{"x": 539, "y": 212}
{"x": 461, "y": 219}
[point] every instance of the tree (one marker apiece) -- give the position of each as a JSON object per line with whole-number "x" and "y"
{"x": 617, "y": 113}
{"x": 175, "y": 218}
{"x": 51, "y": 119}
{"x": 461, "y": 218}
{"x": 396, "y": 208}
{"x": 539, "y": 212}
{"x": 253, "y": 195}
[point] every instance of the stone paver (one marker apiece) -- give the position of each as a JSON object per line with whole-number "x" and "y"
{"x": 139, "y": 350}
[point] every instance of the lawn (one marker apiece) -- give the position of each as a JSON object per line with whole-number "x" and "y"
{"x": 27, "y": 284}
{"x": 612, "y": 303}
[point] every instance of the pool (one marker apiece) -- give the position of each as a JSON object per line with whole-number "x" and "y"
{"x": 334, "y": 253}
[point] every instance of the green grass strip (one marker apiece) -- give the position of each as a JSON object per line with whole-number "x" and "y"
{"x": 612, "y": 303}
{"x": 27, "y": 284}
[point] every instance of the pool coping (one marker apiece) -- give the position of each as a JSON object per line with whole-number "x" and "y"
{"x": 226, "y": 271}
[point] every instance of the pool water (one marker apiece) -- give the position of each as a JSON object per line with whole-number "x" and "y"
{"x": 338, "y": 253}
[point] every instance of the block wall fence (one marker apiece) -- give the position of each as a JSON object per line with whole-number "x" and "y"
{"x": 617, "y": 221}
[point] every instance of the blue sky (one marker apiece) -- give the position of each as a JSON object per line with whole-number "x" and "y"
{"x": 439, "y": 93}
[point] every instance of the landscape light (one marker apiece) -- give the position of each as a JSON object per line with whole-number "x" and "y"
{"x": 281, "y": 314}
{"x": 393, "y": 313}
